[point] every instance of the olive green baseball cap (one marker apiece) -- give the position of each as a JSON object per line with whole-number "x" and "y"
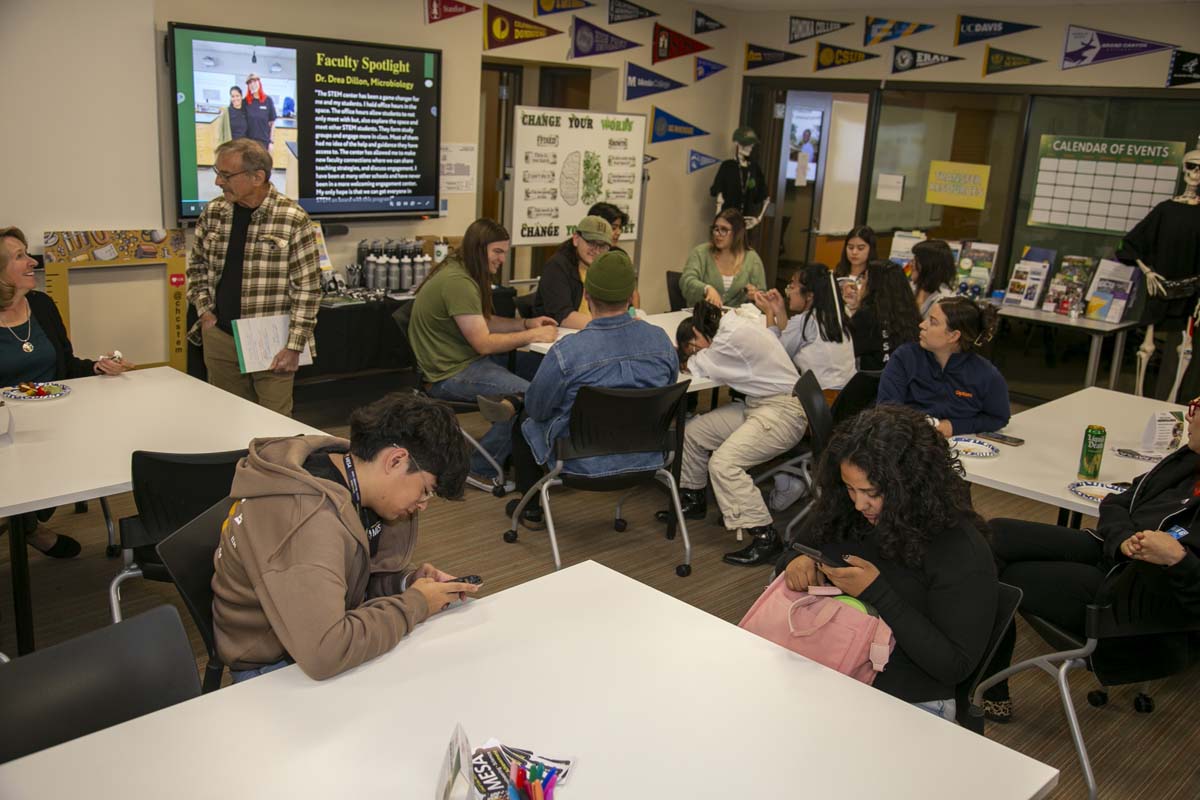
{"x": 745, "y": 135}
{"x": 610, "y": 278}
{"x": 595, "y": 229}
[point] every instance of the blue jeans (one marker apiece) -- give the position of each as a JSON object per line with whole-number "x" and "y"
{"x": 489, "y": 376}
{"x": 240, "y": 675}
{"x": 946, "y": 709}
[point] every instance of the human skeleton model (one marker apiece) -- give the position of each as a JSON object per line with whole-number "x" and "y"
{"x": 747, "y": 176}
{"x": 1167, "y": 289}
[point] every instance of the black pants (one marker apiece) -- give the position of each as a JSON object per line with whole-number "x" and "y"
{"x": 1057, "y": 568}
{"x": 526, "y": 468}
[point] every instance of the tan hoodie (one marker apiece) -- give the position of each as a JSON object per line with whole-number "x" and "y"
{"x": 294, "y": 576}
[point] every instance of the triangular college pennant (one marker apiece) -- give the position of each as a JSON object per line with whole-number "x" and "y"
{"x": 625, "y": 11}
{"x": 758, "y": 56}
{"x": 830, "y": 56}
{"x": 666, "y": 127}
{"x": 592, "y": 40}
{"x": 1185, "y": 68}
{"x": 1086, "y": 46}
{"x": 703, "y": 23}
{"x": 698, "y": 161}
{"x": 673, "y": 44}
{"x": 438, "y": 10}
{"x": 879, "y": 30}
{"x": 640, "y": 82}
{"x": 976, "y": 29}
{"x": 997, "y": 60}
{"x": 906, "y": 59}
{"x": 705, "y": 68}
{"x": 543, "y": 7}
{"x": 502, "y": 28}
{"x": 801, "y": 28}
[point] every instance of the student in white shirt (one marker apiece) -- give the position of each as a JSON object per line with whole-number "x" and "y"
{"x": 814, "y": 337}
{"x": 724, "y": 443}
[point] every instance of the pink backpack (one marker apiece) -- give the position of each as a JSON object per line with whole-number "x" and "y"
{"x": 822, "y": 628}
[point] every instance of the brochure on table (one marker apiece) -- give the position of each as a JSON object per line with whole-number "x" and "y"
{"x": 1111, "y": 291}
{"x": 564, "y": 161}
{"x": 975, "y": 268}
{"x": 902, "y": 245}
{"x": 1069, "y": 284}
{"x": 1025, "y": 286}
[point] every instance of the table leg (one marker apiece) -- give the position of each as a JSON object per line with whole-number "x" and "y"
{"x": 1093, "y": 365}
{"x": 18, "y": 557}
{"x": 1064, "y": 517}
{"x": 1075, "y": 521}
{"x": 1118, "y": 352}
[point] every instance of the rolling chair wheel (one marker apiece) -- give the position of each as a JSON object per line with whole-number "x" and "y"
{"x": 510, "y": 536}
{"x": 1097, "y": 697}
{"x": 1143, "y": 703}
{"x": 619, "y": 525}
{"x": 683, "y": 570}
{"x": 499, "y": 491}
{"x": 112, "y": 550}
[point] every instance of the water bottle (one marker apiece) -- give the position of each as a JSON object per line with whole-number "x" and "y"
{"x": 422, "y": 267}
{"x": 364, "y": 248}
{"x": 370, "y": 270}
{"x": 406, "y": 273}
{"x": 393, "y": 273}
{"x": 441, "y": 249}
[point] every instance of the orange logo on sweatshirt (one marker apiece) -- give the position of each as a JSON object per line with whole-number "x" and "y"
{"x": 961, "y": 393}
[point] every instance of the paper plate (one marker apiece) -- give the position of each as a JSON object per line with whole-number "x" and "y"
{"x": 1095, "y": 491}
{"x": 974, "y": 448}
{"x": 53, "y": 392}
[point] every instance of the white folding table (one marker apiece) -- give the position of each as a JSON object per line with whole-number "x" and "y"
{"x": 651, "y": 696}
{"x": 78, "y": 447}
{"x": 1096, "y": 329}
{"x": 1043, "y": 467}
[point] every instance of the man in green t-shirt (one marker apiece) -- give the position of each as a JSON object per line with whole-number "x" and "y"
{"x": 453, "y": 331}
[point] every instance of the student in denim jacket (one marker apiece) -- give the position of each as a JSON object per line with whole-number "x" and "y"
{"x": 615, "y": 351}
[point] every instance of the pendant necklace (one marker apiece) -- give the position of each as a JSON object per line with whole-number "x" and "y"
{"x": 26, "y": 344}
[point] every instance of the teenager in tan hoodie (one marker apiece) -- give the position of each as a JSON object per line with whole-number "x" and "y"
{"x": 313, "y": 565}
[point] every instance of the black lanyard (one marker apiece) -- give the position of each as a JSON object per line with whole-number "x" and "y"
{"x": 352, "y": 479}
{"x": 369, "y": 519}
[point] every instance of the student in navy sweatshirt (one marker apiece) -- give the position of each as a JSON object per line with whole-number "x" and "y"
{"x": 943, "y": 375}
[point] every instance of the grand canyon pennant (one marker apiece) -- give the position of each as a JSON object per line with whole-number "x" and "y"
{"x": 673, "y": 44}
{"x": 1085, "y": 46}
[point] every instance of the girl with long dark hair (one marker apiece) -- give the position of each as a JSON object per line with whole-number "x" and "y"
{"x": 886, "y": 316}
{"x": 859, "y": 249}
{"x": 944, "y": 376}
{"x": 815, "y": 337}
{"x": 891, "y": 502}
{"x": 452, "y": 332}
{"x": 933, "y": 273}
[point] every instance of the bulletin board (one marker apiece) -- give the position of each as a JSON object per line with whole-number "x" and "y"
{"x": 140, "y": 274}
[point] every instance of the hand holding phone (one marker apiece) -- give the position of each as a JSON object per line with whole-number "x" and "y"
{"x": 819, "y": 557}
{"x": 474, "y": 580}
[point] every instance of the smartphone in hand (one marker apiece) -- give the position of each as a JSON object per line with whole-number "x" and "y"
{"x": 474, "y": 580}
{"x": 818, "y": 556}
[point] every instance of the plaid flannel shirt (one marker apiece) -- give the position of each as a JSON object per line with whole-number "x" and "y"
{"x": 280, "y": 272}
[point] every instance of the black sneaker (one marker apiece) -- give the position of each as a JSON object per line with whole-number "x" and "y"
{"x": 765, "y": 546}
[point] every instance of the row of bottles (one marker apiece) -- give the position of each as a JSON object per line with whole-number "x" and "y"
{"x": 396, "y": 265}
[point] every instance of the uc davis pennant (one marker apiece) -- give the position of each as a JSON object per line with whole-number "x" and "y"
{"x": 1185, "y": 68}
{"x": 543, "y": 7}
{"x": 502, "y": 28}
{"x": 672, "y": 44}
{"x": 665, "y": 127}
{"x": 698, "y": 161}
{"x": 703, "y": 23}
{"x": 1086, "y": 46}
{"x": 976, "y": 29}
{"x": 997, "y": 60}
{"x": 758, "y": 56}
{"x": 592, "y": 40}
{"x": 801, "y": 28}
{"x": 881, "y": 30}
{"x": 905, "y": 59}
{"x": 830, "y": 56}
{"x": 624, "y": 11}
{"x": 640, "y": 82}
{"x": 438, "y": 10}
{"x": 705, "y": 68}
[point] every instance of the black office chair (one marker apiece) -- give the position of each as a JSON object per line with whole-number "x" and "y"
{"x": 966, "y": 715}
{"x": 498, "y": 487}
{"x": 103, "y": 678}
{"x": 170, "y": 490}
{"x": 1136, "y": 631}
{"x": 611, "y": 422}
{"x": 857, "y": 395}
{"x": 674, "y": 293}
{"x": 802, "y": 459}
{"x": 187, "y": 555}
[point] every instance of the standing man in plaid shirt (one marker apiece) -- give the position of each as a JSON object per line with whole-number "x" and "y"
{"x": 255, "y": 255}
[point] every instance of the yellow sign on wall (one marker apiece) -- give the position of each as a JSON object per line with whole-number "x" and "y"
{"x": 953, "y": 183}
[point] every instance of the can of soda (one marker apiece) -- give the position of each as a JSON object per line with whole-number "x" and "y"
{"x": 1092, "y": 453}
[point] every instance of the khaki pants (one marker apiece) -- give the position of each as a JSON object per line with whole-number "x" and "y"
{"x": 739, "y": 436}
{"x": 271, "y": 390}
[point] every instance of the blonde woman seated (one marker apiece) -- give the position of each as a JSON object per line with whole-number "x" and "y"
{"x": 723, "y": 271}
{"x": 724, "y": 443}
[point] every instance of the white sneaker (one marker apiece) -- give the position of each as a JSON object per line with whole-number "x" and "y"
{"x": 788, "y": 489}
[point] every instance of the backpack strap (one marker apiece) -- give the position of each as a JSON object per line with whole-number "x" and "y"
{"x": 824, "y": 615}
{"x": 881, "y": 649}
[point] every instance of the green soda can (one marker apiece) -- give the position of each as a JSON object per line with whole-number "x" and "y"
{"x": 1093, "y": 452}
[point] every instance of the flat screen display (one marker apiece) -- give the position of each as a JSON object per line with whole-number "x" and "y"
{"x": 352, "y": 128}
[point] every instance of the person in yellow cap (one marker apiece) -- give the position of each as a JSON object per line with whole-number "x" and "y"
{"x": 560, "y": 291}
{"x": 614, "y": 350}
